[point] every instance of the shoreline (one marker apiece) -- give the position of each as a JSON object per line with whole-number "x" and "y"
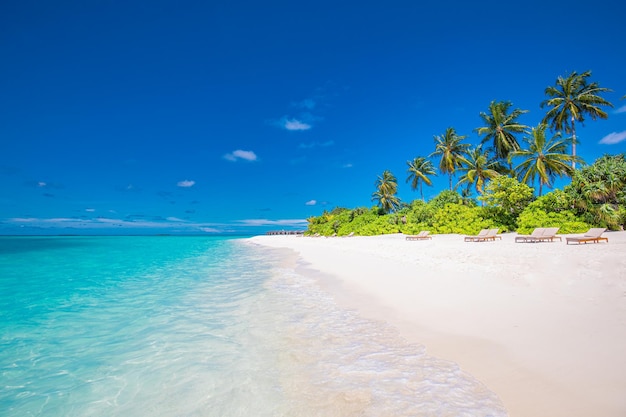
{"x": 543, "y": 325}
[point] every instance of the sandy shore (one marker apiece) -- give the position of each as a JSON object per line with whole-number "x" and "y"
{"x": 543, "y": 325}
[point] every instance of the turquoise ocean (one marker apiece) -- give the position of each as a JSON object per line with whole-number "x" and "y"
{"x": 201, "y": 326}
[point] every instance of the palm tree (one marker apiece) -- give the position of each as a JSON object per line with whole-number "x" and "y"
{"x": 501, "y": 128}
{"x": 544, "y": 158}
{"x": 385, "y": 194}
{"x": 570, "y": 100}
{"x": 451, "y": 150}
{"x": 419, "y": 171}
{"x": 478, "y": 167}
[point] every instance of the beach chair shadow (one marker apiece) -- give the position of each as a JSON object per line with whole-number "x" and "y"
{"x": 593, "y": 235}
{"x": 423, "y": 235}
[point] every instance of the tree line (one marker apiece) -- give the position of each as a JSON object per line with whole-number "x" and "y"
{"x": 503, "y": 164}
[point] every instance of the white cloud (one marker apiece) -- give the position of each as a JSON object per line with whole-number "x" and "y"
{"x": 168, "y": 224}
{"x": 295, "y": 124}
{"x": 41, "y": 184}
{"x": 348, "y": 165}
{"x": 620, "y": 110}
{"x": 211, "y": 230}
{"x": 239, "y": 154}
{"x": 107, "y": 223}
{"x": 90, "y": 210}
{"x": 266, "y": 222}
{"x": 186, "y": 183}
{"x": 174, "y": 219}
{"x": 311, "y": 202}
{"x": 613, "y": 138}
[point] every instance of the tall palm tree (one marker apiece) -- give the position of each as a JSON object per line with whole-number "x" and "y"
{"x": 450, "y": 148}
{"x": 501, "y": 127}
{"x": 385, "y": 194}
{"x": 570, "y": 100}
{"x": 419, "y": 170}
{"x": 544, "y": 159}
{"x": 477, "y": 168}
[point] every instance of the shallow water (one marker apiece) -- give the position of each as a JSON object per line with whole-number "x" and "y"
{"x": 197, "y": 326}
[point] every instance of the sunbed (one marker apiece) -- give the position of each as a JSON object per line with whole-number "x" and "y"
{"x": 549, "y": 233}
{"x": 480, "y": 235}
{"x": 531, "y": 237}
{"x": 593, "y": 235}
{"x": 423, "y": 235}
{"x": 484, "y": 235}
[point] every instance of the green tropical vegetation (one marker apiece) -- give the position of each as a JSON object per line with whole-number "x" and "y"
{"x": 543, "y": 159}
{"x": 478, "y": 167}
{"x": 501, "y": 128}
{"x": 420, "y": 170}
{"x": 503, "y": 175}
{"x": 386, "y": 190}
{"x": 449, "y": 148}
{"x": 570, "y": 100}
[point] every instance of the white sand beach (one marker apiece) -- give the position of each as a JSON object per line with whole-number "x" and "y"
{"x": 543, "y": 325}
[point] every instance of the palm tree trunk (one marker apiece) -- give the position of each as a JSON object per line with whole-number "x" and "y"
{"x": 573, "y": 144}
{"x": 421, "y": 192}
{"x": 540, "y": 187}
{"x": 450, "y": 179}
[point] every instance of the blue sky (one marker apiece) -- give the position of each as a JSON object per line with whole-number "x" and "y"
{"x": 243, "y": 116}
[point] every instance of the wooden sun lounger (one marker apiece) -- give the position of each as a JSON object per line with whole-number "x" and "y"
{"x": 593, "y": 235}
{"x": 484, "y": 236}
{"x": 531, "y": 237}
{"x": 423, "y": 235}
{"x": 549, "y": 233}
{"x": 480, "y": 235}
{"x": 540, "y": 234}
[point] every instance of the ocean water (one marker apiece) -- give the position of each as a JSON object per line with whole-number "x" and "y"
{"x": 201, "y": 326}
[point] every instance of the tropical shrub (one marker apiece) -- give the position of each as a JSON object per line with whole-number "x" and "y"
{"x": 565, "y": 220}
{"x": 554, "y": 201}
{"x": 445, "y": 197}
{"x": 598, "y": 191}
{"x": 505, "y": 198}
{"x": 457, "y": 218}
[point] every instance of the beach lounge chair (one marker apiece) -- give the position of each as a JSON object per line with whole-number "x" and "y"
{"x": 483, "y": 233}
{"x": 593, "y": 235}
{"x": 423, "y": 235}
{"x": 540, "y": 234}
{"x": 493, "y": 234}
{"x": 484, "y": 236}
{"x": 549, "y": 233}
{"x": 531, "y": 237}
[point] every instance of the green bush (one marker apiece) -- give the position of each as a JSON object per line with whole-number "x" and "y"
{"x": 565, "y": 220}
{"x": 445, "y": 197}
{"x": 505, "y": 198}
{"x": 554, "y": 201}
{"x": 457, "y": 218}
